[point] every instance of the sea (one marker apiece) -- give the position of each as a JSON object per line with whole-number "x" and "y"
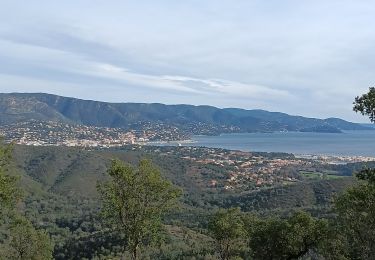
{"x": 348, "y": 143}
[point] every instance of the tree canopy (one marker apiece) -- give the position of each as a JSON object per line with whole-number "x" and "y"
{"x": 291, "y": 238}
{"x": 365, "y": 104}
{"x": 355, "y": 208}
{"x": 356, "y": 216}
{"x": 135, "y": 200}
{"x": 227, "y": 228}
{"x": 9, "y": 192}
{"x": 23, "y": 240}
{"x": 26, "y": 242}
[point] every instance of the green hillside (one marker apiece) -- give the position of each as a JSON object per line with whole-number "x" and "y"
{"x": 61, "y": 197}
{"x": 75, "y": 172}
{"x": 19, "y": 107}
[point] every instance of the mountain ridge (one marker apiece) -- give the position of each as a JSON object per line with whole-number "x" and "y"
{"x": 18, "y": 107}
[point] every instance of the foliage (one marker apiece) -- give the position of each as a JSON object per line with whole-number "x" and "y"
{"x": 289, "y": 238}
{"x": 227, "y": 228}
{"x": 356, "y": 215}
{"x": 356, "y": 206}
{"x": 335, "y": 246}
{"x": 67, "y": 207}
{"x": 300, "y": 195}
{"x": 9, "y": 192}
{"x": 365, "y": 104}
{"x": 367, "y": 175}
{"x": 24, "y": 242}
{"x": 135, "y": 200}
{"x": 192, "y": 119}
{"x": 5, "y": 154}
{"x": 27, "y": 243}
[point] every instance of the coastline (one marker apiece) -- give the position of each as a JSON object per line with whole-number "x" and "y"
{"x": 174, "y": 143}
{"x": 349, "y": 144}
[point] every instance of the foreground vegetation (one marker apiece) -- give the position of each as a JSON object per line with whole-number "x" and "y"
{"x": 139, "y": 218}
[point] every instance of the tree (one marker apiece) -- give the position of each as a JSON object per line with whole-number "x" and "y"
{"x": 291, "y": 238}
{"x": 356, "y": 206}
{"x": 227, "y": 228}
{"x": 267, "y": 238}
{"x": 27, "y": 243}
{"x": 356, "y": 216}
{"x": 24, "y": 242}
{"x": 135, "y": 201}
{"x": 365, "y": 104}
{"x": 9, "y": 192}
{"x": 307, "y": 233}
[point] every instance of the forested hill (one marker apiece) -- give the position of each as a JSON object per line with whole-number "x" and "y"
{"x": 17, "y": 107}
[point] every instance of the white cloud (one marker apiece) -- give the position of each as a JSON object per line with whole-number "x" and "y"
{"x": 193, "y": 85}
{"x": 288, "y": 56}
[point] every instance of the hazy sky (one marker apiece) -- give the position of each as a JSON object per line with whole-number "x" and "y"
{"x": 309, "y": 57}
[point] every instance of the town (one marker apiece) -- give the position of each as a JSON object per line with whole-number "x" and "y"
{"x": 51, "y": 133}
{"x": 242, "y": 170}
{"x": 246, "y": 171}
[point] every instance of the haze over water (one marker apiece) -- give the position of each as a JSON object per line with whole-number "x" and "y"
{"x": 349, "y": 143}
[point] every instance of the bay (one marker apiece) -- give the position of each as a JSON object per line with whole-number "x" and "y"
{"x": 348, "y": 143}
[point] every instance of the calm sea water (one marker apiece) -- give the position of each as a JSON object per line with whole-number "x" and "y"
{"x": 349, "y": 143}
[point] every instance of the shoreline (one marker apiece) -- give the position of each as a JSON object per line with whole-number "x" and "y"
{"x": 186, "y": 141}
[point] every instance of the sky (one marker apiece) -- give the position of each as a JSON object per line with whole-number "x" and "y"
{"x": 307, "y": 58}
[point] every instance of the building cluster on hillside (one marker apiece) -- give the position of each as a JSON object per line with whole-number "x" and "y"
{"x": 252, "y": 169}
{"x": 249, "y": 170}
{"x": 242, "y": 168}
{"x": 199, "y": 128}
{"x": 53, "y": 133}
{"x": 331, "y": 159}
{"x": 158, "y": 131}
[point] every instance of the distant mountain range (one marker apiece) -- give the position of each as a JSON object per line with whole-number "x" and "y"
{"x": 20, "y": 107}
{"x": 369, "y": 125}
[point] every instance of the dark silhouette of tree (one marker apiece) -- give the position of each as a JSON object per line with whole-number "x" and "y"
{"x": 365, "y": 104}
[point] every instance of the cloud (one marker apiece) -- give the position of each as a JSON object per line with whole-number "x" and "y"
{"x": 232, "y": 88}
{"x": 71, "y": 65}
{"x": 193, "y": 85}
{"x": 307, "y": 58}
{"x": 151, "y": 81}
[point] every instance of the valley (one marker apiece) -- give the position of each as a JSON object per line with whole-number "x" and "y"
{"x": 62, "y": 196}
